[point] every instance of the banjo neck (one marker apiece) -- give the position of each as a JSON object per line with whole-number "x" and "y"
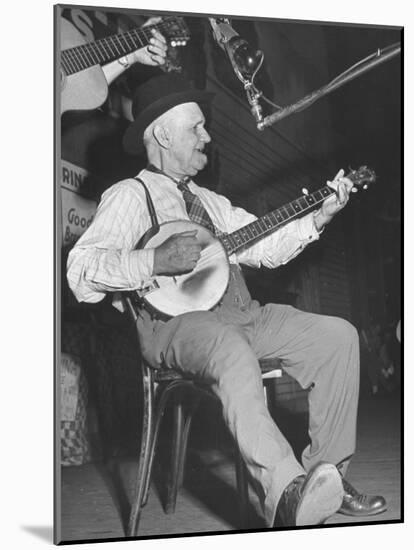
{"x": 272, "y": 221}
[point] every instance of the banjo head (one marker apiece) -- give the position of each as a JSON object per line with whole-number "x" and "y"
{"x": 199, "y": 290}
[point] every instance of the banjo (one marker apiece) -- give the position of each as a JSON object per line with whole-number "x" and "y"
{"x": 203, "y": 288}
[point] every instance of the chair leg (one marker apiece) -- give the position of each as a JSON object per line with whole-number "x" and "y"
{"x": 184, "y": 444}
{"x": 242, "y": 488}
{"x": 181, "y": 430}
{"x": 178, "y": 429}
{"x": 144, "y": 458}
{"x": 159, "y": 413}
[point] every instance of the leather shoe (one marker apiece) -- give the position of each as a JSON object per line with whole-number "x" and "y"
{"x": 311, "y": 499}
{"x": 355, "y": 504}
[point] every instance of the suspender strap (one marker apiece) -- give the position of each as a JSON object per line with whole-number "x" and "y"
{"x": 150, "y": 204}
{"x": 155, "y": 226}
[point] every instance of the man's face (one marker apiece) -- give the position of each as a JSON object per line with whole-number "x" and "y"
{"x": 188, "y": 139}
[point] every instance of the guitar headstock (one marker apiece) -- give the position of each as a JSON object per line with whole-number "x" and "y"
{"x": 175, "y": 30}
{"x": 362, "y": 177}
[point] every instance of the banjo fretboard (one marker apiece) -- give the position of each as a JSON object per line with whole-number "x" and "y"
{"x": 270, "y": 222}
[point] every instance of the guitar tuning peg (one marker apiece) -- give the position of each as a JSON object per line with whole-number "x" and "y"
{"x": 173, "y": 43}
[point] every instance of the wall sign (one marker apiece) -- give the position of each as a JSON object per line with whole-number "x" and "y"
{"x": 77, "y": 210}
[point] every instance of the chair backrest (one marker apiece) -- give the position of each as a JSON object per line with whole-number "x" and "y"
{"x": 129, "y": 306}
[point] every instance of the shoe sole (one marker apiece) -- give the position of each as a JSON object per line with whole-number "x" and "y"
{"x": 365, "y": 513}
{"x": 322, "y": 495}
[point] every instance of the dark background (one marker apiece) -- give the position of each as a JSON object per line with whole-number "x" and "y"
{"x": 354, "y": 271}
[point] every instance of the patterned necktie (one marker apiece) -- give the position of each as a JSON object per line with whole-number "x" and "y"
{"x": 195, "y": 209}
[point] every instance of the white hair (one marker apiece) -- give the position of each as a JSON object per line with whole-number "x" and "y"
{"x": 162, "y": 120}
{"x": 166, "y": 119}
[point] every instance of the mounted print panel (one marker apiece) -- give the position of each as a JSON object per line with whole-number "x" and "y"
{"x": 229, "y": 198}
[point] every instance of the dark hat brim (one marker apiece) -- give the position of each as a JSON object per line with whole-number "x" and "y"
{"x": 133, "y": 138}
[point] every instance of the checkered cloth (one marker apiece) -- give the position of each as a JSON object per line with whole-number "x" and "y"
{"x": 195, "y": 209}
{"x": 74, "y": 443}
{"x": 75, "y": 446}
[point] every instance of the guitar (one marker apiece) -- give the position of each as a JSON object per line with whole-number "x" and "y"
{"x": 83, "y": 83}
{"x": 203, "y": 288}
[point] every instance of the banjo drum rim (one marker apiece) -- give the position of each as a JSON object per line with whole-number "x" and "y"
{"x": 162, "y": 315}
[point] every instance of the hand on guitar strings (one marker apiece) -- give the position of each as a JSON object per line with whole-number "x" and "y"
{"x": 177, "y": 255}
{"x": 155, "y": 53}
{"x": 333, "y": 204}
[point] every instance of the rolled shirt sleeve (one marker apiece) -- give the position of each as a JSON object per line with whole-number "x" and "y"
{"x": 276, "y": 249}
{"x": 104, "y": 258}
{"x": 283, "y": 245}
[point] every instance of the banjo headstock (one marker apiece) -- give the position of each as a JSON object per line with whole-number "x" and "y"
{"x": 362, "y": 177}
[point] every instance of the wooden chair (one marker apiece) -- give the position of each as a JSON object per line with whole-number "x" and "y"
{"x": 161, "y": 386}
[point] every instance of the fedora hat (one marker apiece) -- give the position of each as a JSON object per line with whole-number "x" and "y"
{"x": 154, "y": 98}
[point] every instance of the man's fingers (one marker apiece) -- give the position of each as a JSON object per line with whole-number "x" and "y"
{"x": 152, "y": 21}
{"x": 156, "y": 59}
{"x": 341, "y": 195}
{"x": 157, "y": 49}
{"x": 334, "y": 183}
{"x": 158, "y": 36}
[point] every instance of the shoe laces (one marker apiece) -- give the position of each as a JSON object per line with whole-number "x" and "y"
{"x": 351, "y": 491}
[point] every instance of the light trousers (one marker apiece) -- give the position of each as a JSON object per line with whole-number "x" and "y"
{"x": 223, "y": 348}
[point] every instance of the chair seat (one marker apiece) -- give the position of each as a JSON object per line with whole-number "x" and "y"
{"x": 167, "y": 375}
{"x": 271, "y": 368}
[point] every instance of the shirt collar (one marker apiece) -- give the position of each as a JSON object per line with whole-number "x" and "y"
{"x": 185, "y": 180}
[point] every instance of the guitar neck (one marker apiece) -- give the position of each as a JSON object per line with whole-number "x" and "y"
{"x": 106, "y": 49}
{"x": 267, "y": 224}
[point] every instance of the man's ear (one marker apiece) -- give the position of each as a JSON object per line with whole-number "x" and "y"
{"x": 162, "y": 136}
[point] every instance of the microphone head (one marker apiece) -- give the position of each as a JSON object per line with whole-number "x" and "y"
{"x": 244, "y": 58}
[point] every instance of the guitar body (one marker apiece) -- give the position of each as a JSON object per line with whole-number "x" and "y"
{"x": 86, "y": 89}
{"x": 199, "y": 290}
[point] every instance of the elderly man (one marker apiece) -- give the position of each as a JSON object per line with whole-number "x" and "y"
{"x": 223, "y": 346}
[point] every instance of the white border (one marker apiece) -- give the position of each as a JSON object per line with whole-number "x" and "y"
{"x": 27, "y": 270}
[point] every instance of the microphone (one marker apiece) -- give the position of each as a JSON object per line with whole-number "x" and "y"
{"x": 245, "y": 60}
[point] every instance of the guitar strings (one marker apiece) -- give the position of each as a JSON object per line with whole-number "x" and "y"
{"x": 72, "y": 59}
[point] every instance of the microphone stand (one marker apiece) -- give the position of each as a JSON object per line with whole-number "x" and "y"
{"x": 247, "y": 62}
{"x": 372, "y": 61}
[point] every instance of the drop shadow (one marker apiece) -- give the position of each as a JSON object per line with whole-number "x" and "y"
{"x": 43, "y": 532}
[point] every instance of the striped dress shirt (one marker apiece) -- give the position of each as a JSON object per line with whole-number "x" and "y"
{"x": 104, "y": 260}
